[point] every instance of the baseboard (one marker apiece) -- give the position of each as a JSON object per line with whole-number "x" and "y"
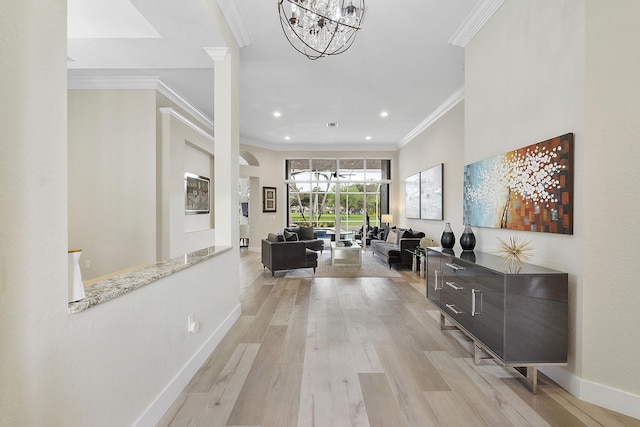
{"x": 165, "y": 399}
{"x": 598, "y": 394}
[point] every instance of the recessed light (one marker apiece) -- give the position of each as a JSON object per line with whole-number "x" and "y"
{"x": 287, "y": 138}
{"x": 276, "y": 114}
{"x": 384, "y": 114}
{"x": 367, "y": 138}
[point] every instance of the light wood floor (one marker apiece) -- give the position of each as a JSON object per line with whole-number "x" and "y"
{"x": 359, "y": 352}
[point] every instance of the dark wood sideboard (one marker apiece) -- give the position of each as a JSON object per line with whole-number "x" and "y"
{"x": 515, "y": 313}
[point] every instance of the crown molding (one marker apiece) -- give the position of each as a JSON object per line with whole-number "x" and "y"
{"x": 185, "y": 105}
{"x": 172, "y": 112}
{"x": 447, "y": 105}
{"x": 139, "y": 82}
{"x": 216, "y": 53}
{"x": 479, "y": 16}
{"x": 317, "y": 148}
{"x": 112, "y": 82}
{"x": 234, "y": 20}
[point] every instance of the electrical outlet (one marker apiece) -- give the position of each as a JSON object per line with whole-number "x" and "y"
{"x": 193, "y": 326}
{"x": 87, "y": 263}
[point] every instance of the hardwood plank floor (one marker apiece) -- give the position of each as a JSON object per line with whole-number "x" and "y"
{"x": 359, "y": 351}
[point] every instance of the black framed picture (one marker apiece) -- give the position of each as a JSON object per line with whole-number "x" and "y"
{"x": 268, "y": 199}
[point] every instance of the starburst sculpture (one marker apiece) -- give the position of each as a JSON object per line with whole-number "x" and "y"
{"x": 516, "y": 249}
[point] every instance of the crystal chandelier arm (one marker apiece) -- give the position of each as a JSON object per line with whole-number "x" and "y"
{"x": 353, "y": 27}
{"x": 316, "y": 35}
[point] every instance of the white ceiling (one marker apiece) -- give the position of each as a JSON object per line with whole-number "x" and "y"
{"x": 401, "y": 62}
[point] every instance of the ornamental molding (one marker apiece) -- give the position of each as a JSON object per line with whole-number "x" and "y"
{"x": 236, "y": 23}
{"x": 479, "y": 16}
{"x": 139, "y": 82}
{"x": 447, "y": 105}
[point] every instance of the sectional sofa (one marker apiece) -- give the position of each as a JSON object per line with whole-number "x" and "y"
{"x": 392, "y": 249}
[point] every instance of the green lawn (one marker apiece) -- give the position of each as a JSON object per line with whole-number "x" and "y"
{"x": 329, "y": 220}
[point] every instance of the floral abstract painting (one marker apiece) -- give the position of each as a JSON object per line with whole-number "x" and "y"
{"x": 529, "y": 189}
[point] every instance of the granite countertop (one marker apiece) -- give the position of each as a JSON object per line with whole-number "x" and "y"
{"x": 115, "y": 286}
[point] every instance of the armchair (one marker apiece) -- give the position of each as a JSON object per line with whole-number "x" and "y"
{"x": 287, "y": 255}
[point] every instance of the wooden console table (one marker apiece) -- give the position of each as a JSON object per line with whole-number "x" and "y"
{"x": 516, "y": 313}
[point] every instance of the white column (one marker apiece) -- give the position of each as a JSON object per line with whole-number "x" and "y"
{"x": 33, "y": 210}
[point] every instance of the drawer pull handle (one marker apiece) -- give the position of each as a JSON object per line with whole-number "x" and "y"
{"x": 453, "y": 308}
{"x": 438, "y": 280}
{"x": 476, "y": 305}
{"x": 453, "y": 285}
{"x": 456, "y": 267}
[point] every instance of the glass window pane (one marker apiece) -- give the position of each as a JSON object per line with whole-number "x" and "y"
{"x": 352, "y": 206}
{"x": 351, "y": 170}
{"x": 298, "y": 168}
{"x": 313, "y": 185}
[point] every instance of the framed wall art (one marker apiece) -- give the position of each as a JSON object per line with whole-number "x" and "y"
{"x": 431, "y": 193}
{"x": 196, "y": 200}
{"x": 412, "y": 196}
{"x": 268, "y": 199}
{"x": 528, "y": 189}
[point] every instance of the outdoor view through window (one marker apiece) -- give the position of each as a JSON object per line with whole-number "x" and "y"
{"x": 337, "y": 194}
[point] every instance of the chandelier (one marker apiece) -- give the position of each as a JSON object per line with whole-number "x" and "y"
{"x": 318, "y": 28}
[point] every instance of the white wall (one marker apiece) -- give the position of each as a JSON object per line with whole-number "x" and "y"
{"x": 611, "y": 319}
{"x": 107, "y": 365}
{"x": 442, "y": 142}
{"x": 524, "y": 84}
{"x": 270, "y": 173}
{"x": 183, "y": 147}
{"x": 528, "y": 79}
{"x": 112, "y": 178}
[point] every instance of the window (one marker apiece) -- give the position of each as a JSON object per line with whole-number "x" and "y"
{"x": 337, "y": 193}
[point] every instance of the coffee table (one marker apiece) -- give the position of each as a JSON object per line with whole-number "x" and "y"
{"x": 346, "y": 255}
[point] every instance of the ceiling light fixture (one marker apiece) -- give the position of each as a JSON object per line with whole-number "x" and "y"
{"x": 318, "y": 28}
{"x": 384, "y": 114}
{"x": 276, "y": 114}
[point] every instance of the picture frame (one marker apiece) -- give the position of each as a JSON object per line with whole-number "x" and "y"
{"x": 412, "y": 196}
{"x": 528, "y": 189}
{"x": 269, "y": 199}
{"x": 196, "y": 194}
{"x": 431, "y": 193}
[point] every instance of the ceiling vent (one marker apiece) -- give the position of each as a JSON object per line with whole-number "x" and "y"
{"x": 332, "y": 125}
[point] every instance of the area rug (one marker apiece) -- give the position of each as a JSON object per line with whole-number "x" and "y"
{"x": 371, "y": 267}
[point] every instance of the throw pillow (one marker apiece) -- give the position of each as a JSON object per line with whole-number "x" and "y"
{"x": 272, "y": 237}
{"x": 419, "y": 234}
{"x": 399, "y": 235}
{"x": 306, "y": 233}
{"x": 290, "y": 236}
{"x": 391, "y": 237}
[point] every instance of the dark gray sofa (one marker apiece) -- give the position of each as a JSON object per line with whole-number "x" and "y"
{"x": 287, "y": 255}
{"x": 306, "y": 235}
{"x": 393, "y": 252}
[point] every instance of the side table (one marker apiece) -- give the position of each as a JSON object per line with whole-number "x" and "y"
{"x": 419, "y": 260}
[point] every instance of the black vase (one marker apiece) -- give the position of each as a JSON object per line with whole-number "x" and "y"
{"x": 447, "y": 240}
{"x": 468, "y": 239}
